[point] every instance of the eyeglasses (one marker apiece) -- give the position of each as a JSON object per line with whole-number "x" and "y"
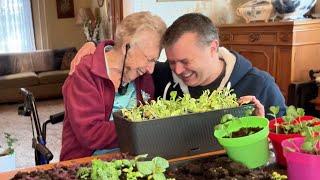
{"x": 150, "y": 60}
{"x": 123, "y": 88}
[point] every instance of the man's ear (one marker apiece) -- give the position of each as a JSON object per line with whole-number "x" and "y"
{"x": 214, "y": 46}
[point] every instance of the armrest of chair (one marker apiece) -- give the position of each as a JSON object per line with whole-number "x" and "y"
{"x": 56, "y": 118}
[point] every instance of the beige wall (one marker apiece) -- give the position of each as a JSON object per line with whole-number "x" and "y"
{"x": 220, "y": 11}
{"x": 51, "y": 32}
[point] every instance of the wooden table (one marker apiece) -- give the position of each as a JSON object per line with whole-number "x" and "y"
{"x": 10, "y": 174}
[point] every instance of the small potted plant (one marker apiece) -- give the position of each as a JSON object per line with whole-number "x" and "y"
{"x": 288, "y": 126}
{"x": 303, "y": 154}
{"x": 245, "y": 139}
{"x": 7, "y": 155}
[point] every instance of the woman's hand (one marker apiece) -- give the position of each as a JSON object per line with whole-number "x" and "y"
{"x": 259, "y": 108}
{"x": 87, "y": 49}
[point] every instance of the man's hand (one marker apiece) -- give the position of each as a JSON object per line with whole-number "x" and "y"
{"x": 87, "y": 49}
{"x": 259, "y": 108}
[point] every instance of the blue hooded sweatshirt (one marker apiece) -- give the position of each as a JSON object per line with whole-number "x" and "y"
{"x": 244, "y": 79}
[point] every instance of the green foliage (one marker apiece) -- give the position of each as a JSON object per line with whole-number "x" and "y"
{"x": 10, "y": 141}
{"x": 228, "y": 123}
{"x": 84, "y": 173}
{"x": 311, "y": 140}
{"x": 131, "y": 169}
{"x": 274, "y": 111}
{"x": 153, "y": 169}
{"x": 277, "y": 176}
{"x": 290, "y": 125}
{"x": 218, "y": 99}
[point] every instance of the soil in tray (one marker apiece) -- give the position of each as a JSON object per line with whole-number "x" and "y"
{"x": 202, "y": 169}
{"x": 244, "y": 132}
{"x": 61, "y": 172}
{"x": 219, "y": 168}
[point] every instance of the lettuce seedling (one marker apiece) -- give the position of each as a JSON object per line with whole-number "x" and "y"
{"x": 130, "y": 169}
{"x": 311, "y": 140}
{"x": 291, "y": 121}
{"x": 175, "y": 106}
{"x": 226, "y": 125}
{"x": 310, "y": 143}
{"x": 153, "y": 169}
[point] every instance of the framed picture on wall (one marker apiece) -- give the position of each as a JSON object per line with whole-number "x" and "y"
{"x": 65, "y": 8}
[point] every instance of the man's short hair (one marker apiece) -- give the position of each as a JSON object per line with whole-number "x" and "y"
{"x": 136, "y": 22}
{"x": 194, "y": 23}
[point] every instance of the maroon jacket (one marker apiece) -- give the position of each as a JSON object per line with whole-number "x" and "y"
{"x": 88, "y": 96}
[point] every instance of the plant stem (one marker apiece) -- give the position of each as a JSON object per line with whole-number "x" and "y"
{"x": 277, "y": 126}
{"x": 295, "y": 146}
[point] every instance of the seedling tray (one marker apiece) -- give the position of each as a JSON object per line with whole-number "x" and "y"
{"x": 174, "y": 136}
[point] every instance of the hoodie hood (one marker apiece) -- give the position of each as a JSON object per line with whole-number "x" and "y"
{"x": 241, "y": 69}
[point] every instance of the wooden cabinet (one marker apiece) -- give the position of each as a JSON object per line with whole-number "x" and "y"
{"x": 287, "y": 50}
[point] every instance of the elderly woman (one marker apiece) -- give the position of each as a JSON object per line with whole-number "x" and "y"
{"x": 115, "y": 76}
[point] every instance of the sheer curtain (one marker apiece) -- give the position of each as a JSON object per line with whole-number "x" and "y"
{"x": 16, "y": 27}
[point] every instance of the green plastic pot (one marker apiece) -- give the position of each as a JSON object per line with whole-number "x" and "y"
{"x": 250, "y": 150}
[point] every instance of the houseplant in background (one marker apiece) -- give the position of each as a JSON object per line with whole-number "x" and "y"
{"x": 288, "y": 126}
{"x": 245, "y": 139}
{"x": 90, "y": 23}
{"x": 7, "y": 155}
{"x": 91, "y": 29}
{"x": 303, "y": 155}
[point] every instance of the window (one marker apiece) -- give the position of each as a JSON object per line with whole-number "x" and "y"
{"x": 16, "y": 27}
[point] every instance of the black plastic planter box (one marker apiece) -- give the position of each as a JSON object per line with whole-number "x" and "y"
{"x": 173, "y": 136}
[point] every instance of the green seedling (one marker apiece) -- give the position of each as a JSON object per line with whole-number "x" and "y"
{"x": 292, "y": 120}
{"x": 274, "y": 111}
{"x": 175, "y": 106}
{"x": 228, "y": 123}
{"x": 10, "y": 141}
{"x": 131, "y": 169}
{"x": 311, "y": 141}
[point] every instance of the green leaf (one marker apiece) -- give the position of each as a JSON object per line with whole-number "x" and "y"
{"x": 274, "y": 109}
{"x": 300, "y": 112}
{"x": 159, "y": 176}
{"x": 227, "y": 117}
{"x": 146, "y": 167}
{"x": 307, "y": 146}
{"x": 249, "y": 111}
{"x": 161, "y": 164}
{"x": 141, "y": 156}
{"x": 173, "y": 95}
